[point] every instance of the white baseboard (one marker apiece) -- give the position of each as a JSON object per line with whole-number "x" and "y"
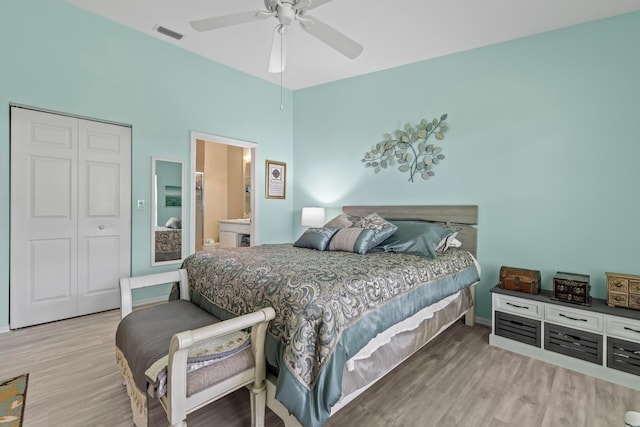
{"x": 484, "y": 322}
{"x": 4, "y": 329}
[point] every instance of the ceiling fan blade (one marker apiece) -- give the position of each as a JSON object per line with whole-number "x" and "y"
{"x": 303, "y": 4}
{"x": 226, "y": 20}
{"x": 316, "y": 3}
{"x": 279, "y": 49}
{"x": 331, "y": 36}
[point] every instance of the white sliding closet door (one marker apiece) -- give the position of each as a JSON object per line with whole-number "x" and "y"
{"x": 70, "y": 215}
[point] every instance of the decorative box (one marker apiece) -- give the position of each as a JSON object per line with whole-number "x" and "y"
{"x": 572, "y": 287}
{"x": 623, "y": 290}
{"x": 520, "y": 279}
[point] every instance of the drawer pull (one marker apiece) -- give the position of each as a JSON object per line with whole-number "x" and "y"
{"x": 572, "y": 318}
{"x": 632, "y": 330}
{"x": 517, "y": 306}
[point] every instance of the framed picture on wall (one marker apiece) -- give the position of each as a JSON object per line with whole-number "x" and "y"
{"x": 276, "y": 180}
{"x": 172, "y": 195}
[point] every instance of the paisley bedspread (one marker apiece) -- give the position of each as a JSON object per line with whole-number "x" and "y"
{"x": 328, "y": 306}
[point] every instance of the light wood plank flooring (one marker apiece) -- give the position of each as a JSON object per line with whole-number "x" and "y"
{"x": 457, "y": 380}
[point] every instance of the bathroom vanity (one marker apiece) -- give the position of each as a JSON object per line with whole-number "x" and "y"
{"x": 235, "y": 233}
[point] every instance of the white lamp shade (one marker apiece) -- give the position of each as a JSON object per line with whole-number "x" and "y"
{"x": 312, "y": 217}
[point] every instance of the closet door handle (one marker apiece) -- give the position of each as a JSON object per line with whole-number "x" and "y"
{"x": 632, "y": 330}
{"x": 572, "y": 318}
{"x": 101, "y": 227}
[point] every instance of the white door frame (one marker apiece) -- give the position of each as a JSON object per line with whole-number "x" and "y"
{"x": 207, "y": 137}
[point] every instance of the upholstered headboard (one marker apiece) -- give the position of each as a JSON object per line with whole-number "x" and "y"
{"x": 458, "y": 217}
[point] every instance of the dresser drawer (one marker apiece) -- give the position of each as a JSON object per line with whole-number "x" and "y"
{"x": 522, "y": 307}
{"x": 627, "y": 329}
{"x": 617, "y": 284}
{"x": 623, "y": 356}
{"x": 634, "y": 301}
{"x": 517, "y": 328}
{"x": 574, "y": 318}
{"x": 574, "y": 343}
{"x": 634, "y": 287}
{"x": 618, "y": 299}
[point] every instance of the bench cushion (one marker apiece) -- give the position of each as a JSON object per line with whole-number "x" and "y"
{"x": 208, "y": 376}
{"x": 210, "y": 352}
{"x": 144, "y": 335}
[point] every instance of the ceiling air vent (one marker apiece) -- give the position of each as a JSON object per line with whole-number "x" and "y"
{"x": 168, "y": 32}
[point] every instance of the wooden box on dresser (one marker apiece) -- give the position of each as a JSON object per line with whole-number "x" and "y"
{"x": 599, "y": 340}
{"x": 623, "y": 290}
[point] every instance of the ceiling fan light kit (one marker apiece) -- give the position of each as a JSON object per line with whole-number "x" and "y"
{"x": 286, "y": 11}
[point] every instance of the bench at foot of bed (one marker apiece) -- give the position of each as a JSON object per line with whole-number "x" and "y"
{"x": 186, "y": 356}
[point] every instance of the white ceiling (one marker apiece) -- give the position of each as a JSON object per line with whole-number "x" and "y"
{"x": 393, "y": 32}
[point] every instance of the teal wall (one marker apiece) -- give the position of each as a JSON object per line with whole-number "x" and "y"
{"x": 58, "y": 57}
{"x": 544, "y": 138}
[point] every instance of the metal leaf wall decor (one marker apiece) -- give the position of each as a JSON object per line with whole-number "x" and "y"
{"x": 408, "y": 148}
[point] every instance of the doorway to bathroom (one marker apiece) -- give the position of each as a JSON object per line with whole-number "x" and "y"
{"x": 223, "y": 203}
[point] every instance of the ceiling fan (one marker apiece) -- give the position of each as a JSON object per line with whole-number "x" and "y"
{"x": 286, "y": 11}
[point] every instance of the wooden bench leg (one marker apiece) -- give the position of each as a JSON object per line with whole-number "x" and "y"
{"x": 258, "y": 404}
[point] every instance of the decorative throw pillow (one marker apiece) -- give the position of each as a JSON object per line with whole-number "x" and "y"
{"x": 174, "y": 222}
{"x": 316, "y": 238}
{"x": 342, "y": 221}
{"x": 381, "y": 227}
{"x": 366, "y": 233}
{"x": 353, "y": 239}
{"x": 417, "y": 238}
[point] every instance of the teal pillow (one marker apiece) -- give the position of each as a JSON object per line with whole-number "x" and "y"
{"x": 415, "y": 238}
{"x": 316, "y": 238}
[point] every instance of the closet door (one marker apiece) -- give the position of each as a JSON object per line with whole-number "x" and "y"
{"x": 58, "y": 188}
{"x": 104, "y": 220}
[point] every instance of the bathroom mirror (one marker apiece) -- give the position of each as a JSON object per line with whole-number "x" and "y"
{"x": 167, "y": 206}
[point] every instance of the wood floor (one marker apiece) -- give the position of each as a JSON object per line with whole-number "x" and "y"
{"x": 457, "y": 380}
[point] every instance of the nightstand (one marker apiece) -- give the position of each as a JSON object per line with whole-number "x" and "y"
{"x": 599, "y": 340}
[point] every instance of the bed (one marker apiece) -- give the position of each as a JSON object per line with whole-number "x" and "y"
{"x": 343, "y": 320}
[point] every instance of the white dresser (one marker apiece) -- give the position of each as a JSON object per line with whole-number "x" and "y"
{"x": 598, "y": 340}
